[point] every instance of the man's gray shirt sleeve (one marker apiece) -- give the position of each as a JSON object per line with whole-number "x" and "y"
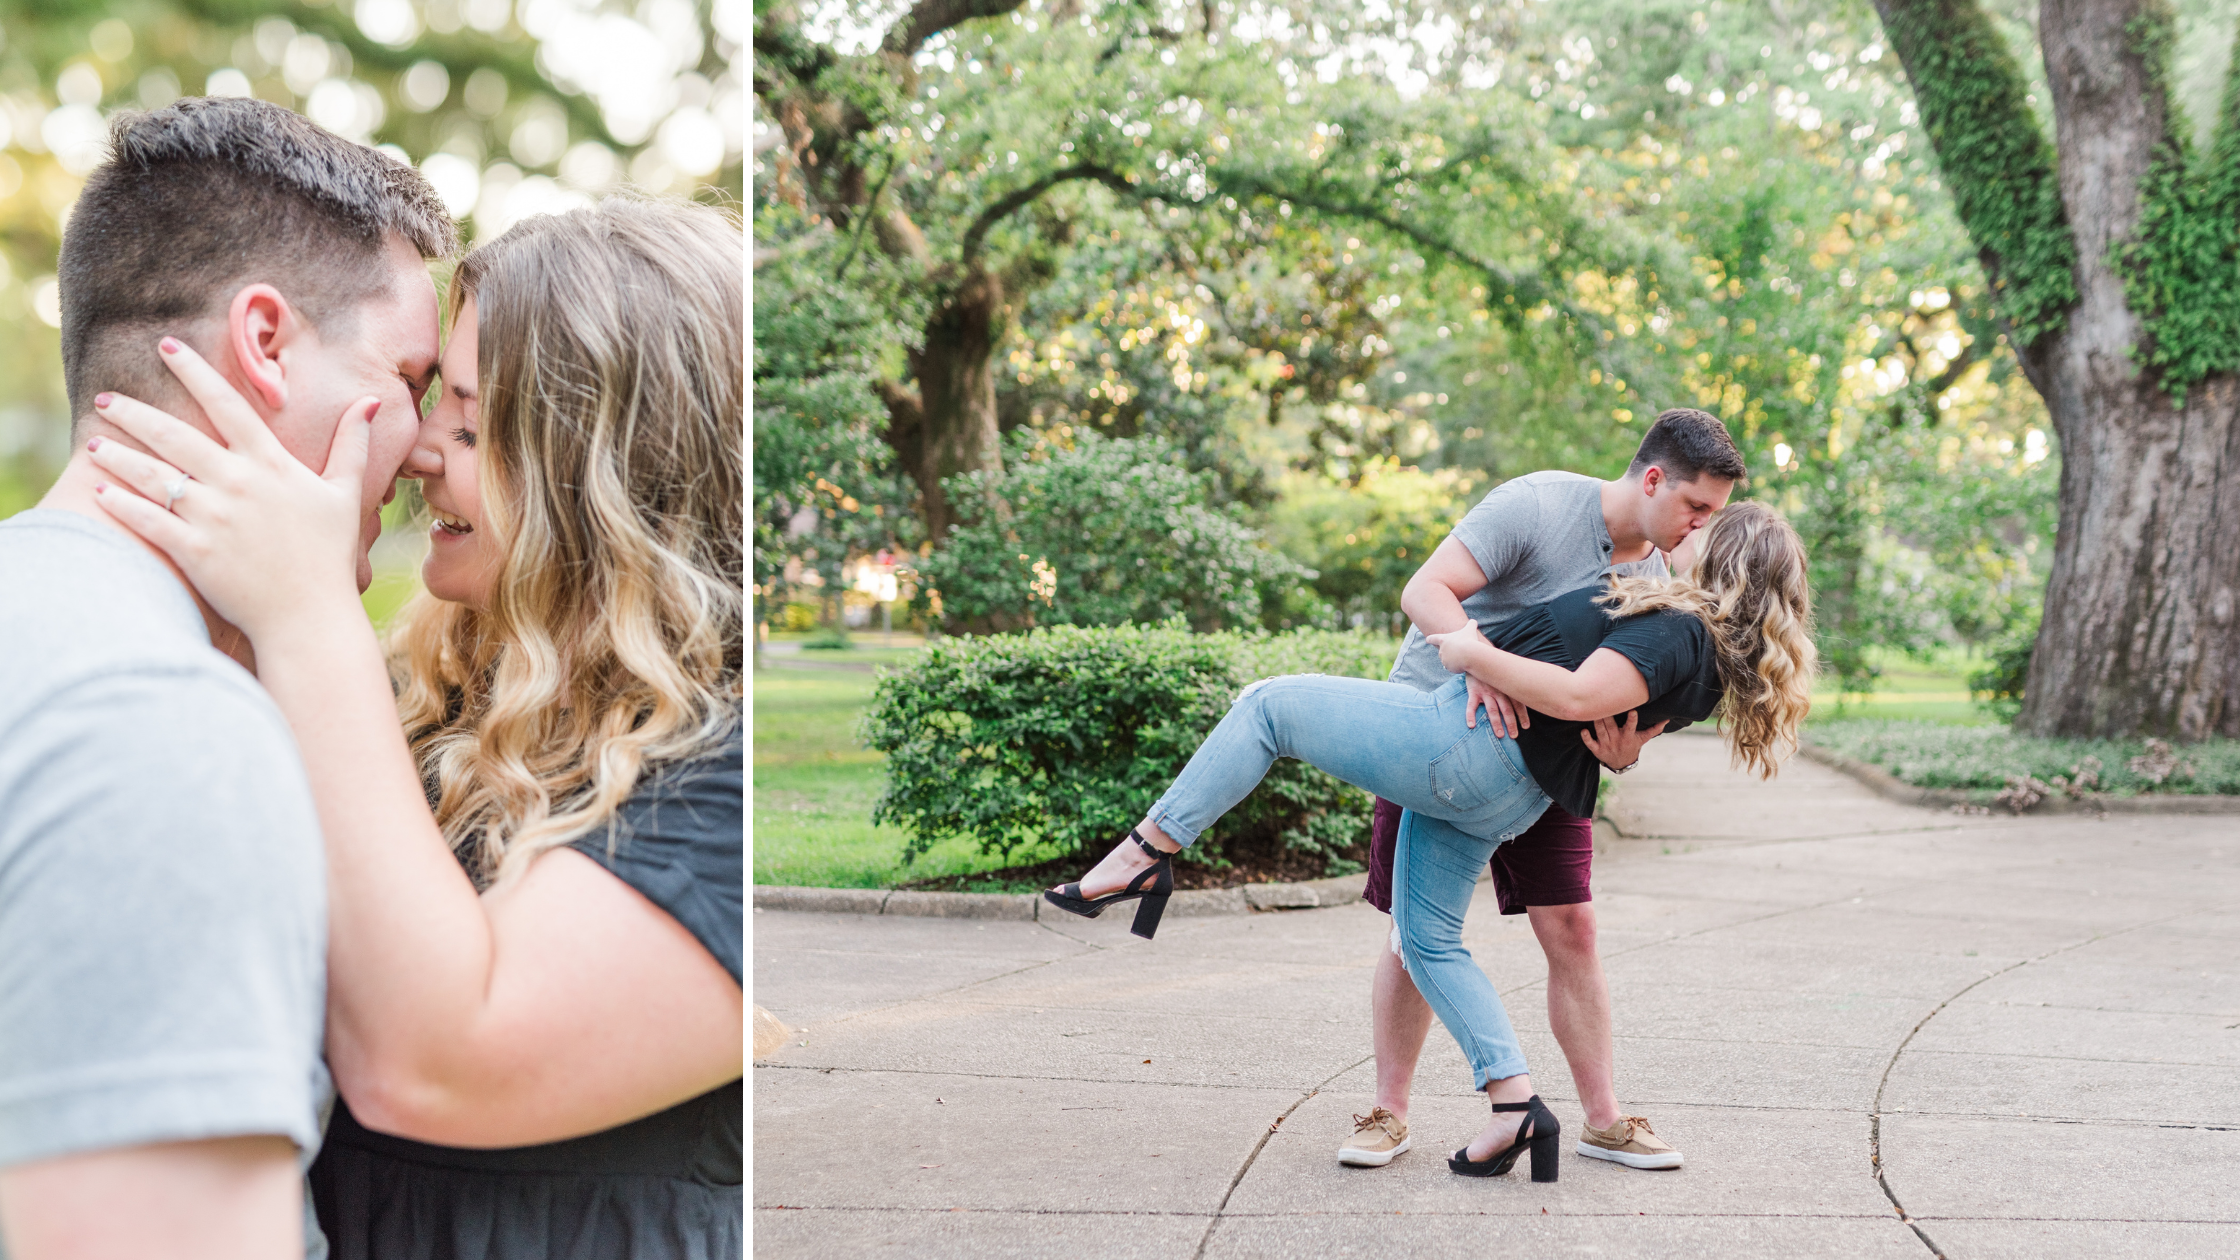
{"x": 162, "y": 918}
{"x": 1534, "y": 537}
{"x": 1501, "y": 529}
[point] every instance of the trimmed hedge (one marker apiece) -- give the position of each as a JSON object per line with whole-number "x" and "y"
{"x": 1067, "y": 735}
{"x": 1935, "y": 755}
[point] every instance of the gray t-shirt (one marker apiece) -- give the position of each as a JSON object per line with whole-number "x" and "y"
{"x": 1534, "y": 537}
{"x": 162, "y": 884}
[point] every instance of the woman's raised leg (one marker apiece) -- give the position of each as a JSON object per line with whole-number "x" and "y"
{"x": 1375, "y": 735}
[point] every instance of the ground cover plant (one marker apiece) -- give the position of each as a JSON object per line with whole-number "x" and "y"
{"x": 1060, "y": 739}
{"x": 1987, "y": 758}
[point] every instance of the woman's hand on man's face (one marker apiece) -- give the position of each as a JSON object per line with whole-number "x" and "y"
{"x": 265, "y": 540}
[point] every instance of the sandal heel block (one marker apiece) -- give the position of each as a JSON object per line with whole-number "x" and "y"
{"x": 1545, "y": 1152}
{"x": 1539, "y": 1133}
{"x": 1149, "y": 889}
{"x": 1148, "y": 912}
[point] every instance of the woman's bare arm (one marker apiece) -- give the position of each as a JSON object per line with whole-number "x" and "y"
{"x": 1604, "y": 685}
{"x": 564, "y": 1004}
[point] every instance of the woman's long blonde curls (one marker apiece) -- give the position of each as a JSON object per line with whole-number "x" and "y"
{"x": 1751, "y": 589}
{"x": 612, "y": 341}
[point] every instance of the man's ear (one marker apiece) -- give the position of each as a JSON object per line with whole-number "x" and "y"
{"x": 1651, "y": 478}
{"x": 259, "y": 325}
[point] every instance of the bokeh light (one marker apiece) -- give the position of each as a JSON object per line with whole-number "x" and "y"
{"x": 510, "y": 109}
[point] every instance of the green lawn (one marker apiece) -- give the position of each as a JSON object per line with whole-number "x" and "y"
{"x": 1931, "y": 691}
{"x": 814, "y": 786}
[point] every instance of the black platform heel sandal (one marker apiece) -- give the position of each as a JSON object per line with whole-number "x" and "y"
{"x": 1153, "y": 885}
{"x": 1539, "y": 1129}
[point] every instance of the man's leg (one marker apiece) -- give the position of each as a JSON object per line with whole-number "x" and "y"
{"x": 1546, "y": 873}
{"x": 1399, "y": 1017}
{"x": 1578, "y": 1004}
{"x": 1402, "y": 1020}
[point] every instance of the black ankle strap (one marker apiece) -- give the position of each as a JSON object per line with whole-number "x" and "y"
{"x": 1148, "y": 847}
{"x": 1527, "y": 1105}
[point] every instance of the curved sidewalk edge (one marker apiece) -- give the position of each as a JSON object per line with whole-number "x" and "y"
{"x": 1027, "y": 907}
{"x": 1890, "y": 787}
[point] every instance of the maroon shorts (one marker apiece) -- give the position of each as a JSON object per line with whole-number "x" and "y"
{"x": 1549, "y": 865}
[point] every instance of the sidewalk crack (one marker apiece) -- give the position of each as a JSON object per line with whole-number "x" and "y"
{"x": 1207, "y": 1239}
{"x": 1874, "y": 1117}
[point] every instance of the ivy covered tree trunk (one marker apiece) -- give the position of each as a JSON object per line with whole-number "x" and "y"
{"x": 2114, "y": 248}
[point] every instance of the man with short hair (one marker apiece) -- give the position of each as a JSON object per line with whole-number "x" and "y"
{"x": 1529, "y": 540}
{"x": 162, "y": 886}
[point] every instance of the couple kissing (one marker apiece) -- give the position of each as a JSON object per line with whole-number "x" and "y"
{"x": 482, "y": 880}
{"x": 1564, "y": 623}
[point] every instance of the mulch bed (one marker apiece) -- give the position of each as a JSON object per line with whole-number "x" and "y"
{"x": 1244, "y": 868}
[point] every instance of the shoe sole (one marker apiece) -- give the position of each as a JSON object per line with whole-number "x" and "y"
{"x": 1630, "y": 1160}
{"x": 1357, "y": 1158}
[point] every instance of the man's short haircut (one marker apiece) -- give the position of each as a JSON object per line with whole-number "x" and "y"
{"x": 210, "y": 194}
{"x": 1687, "y": 443}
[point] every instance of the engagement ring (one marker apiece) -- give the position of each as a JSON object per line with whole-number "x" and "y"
{"x": 172, "y": 492}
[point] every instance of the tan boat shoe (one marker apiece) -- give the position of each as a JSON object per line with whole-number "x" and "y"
{"x": 1628, "y": 1142}
{"x": 1377, "y": 1137}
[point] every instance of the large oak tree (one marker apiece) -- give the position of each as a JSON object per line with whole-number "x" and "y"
{"x": 2114, "y": 247}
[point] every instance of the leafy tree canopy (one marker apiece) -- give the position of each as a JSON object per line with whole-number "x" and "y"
{"x": 1320, "y": 242}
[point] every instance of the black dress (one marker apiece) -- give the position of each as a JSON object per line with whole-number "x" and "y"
{"x": 667, "y": 1187}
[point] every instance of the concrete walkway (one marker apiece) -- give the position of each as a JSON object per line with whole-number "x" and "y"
{"x": 2033, "y": 1024}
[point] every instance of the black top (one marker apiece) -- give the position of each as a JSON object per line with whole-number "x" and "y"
{"x": 667, "y": 1187}
{"x": 1671, "y": 649}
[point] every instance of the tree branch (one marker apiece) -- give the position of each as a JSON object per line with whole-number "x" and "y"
{"x": 1934, "y": 388}
{"x": 929, "y": 18}
{"x": 1954, "y": 370}
{"x": 1528, "y": 291}
{"x": 975, "y": 235}
{"x": 870, "y": 208}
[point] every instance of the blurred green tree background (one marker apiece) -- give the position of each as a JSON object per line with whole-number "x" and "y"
{"x": 1355, "y": 263}
{"x": 511, "y": 109}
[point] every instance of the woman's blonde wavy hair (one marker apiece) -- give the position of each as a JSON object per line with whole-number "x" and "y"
{"x": 612, "y": 345}
{"x": 1750, "y": 587}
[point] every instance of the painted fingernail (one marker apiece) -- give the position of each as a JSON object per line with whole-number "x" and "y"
{"x": 101, "y": 487}
{"x": 169, "y": 345}
{"x": 103, "y": 400}
{"x": 94, "y": 444}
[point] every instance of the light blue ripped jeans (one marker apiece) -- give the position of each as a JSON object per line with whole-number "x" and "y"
{"x": 1465, "y": 792}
